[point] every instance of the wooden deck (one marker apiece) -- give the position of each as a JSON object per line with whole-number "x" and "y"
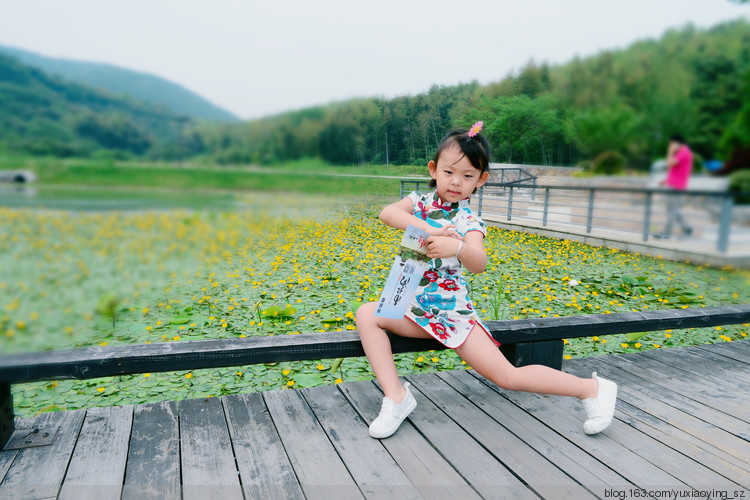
{"x": 682, "y": 425}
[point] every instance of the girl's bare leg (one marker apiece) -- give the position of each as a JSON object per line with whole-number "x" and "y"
{"x": 378, "y": 347}
{"x": 481, "y": 354}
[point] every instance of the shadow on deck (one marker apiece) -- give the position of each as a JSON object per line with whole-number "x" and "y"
{"x": 682, "y": 425}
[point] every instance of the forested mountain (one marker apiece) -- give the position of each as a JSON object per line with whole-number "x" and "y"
{"x": 45, "y": 115}
{"x": 114, "y": 79}
{"x": 628, "y": 101}
{"x": 622, "y": 103}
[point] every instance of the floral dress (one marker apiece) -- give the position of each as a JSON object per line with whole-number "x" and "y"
{"x": 442, "y": 306}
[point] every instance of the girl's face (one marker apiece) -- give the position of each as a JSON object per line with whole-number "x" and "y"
{"x": 456, "y": 177}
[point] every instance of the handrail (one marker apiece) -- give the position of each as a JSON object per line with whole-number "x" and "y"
{"x": 725, "y": 201}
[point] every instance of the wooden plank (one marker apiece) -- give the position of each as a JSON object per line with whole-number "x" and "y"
{"x": 426, "y": 469}
{"x": 477, "y": 466}
{"x": 674, "y": 409}
{"x": 97, "y": 467}
{"x": 533, "y": 468}
{"x": 39, "y": 472}
{"x": 170, "y": 356}
{"x": 153, "y": 469}
{"x": 686, "y": 393}
{"x": 208, "y": 467}
{"x": 6, "y": 459}
{"x": 319, "y": 469}
{"x": 578, "y": 464}
{"x": 641, "y": 442}
{"x": 376, "y": 473}
{"x": 700, "y": 451}
{"x": 707, "y": 366}
{"x": 604, "y": 448}
{"x": 265, "y": 471}
{"x": 738, "y": 350}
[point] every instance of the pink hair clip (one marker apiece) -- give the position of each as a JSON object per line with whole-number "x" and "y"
{"x": 475, "y": 129}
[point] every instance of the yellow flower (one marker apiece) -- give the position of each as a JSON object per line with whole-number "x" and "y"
{"x": 239, "y": 374}
{"x": 147, "y": 375}
{"x": 568, "y": 356}
{"x": 321, "y": 367}
{"x": 100, "y": 389}
{"x": 624, "y": 345}
{"x": 145, "y": 310}
{"x": 420, "y": 359}
{"x": 638, "y": 345}
{"x": 338, "y": 381}
{"x": 290, "y": 383}
{"x": 285, "y": 372}
{"x": 189, "y": 375}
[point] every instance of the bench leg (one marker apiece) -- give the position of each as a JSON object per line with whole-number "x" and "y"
{"x": 7, "y": 424}
{"x": 548, "y": 353}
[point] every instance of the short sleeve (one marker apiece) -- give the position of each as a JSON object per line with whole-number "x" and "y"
{"x": 470, "y": 222}
{"x": 419, "y": 203}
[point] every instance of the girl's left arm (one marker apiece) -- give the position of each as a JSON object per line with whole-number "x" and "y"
{"x": 472, "y": 254}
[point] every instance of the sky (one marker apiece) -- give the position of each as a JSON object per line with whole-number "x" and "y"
{"x": 258, "y": 58}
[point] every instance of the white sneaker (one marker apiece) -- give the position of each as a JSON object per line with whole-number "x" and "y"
{"x": 601, "y": 409}
{"x": 392, "y": 414}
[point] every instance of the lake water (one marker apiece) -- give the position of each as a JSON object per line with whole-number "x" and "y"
{"x": 102, "y": 199}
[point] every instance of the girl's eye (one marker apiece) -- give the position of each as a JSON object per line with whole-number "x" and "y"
{"x": 448, "y": 172}
{"x": 469, "y": 176}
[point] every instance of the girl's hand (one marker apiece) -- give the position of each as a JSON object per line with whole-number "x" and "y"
{"x": 447, "y": 230}
{"x": 441, "y": 247}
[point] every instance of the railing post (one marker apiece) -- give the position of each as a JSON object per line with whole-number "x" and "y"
{"x": 647, "y": 216}
{"x": 725, "y": 222}
{"x": 7, "y": 423}
{"x": 481, "y": 195}
{"x": 546, "y": 206}
{"x": 533, "y": 191}
{"x": 401, "y": 197}
{"x": 590, "y": 217}
{"x": 510, "y": 202}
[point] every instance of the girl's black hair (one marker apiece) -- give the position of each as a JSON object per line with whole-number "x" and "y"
{"x": 476, "y": 149}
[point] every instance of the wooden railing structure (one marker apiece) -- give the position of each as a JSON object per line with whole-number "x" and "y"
{"x": 526, "y": 341}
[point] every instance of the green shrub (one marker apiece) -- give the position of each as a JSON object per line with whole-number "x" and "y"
{"x": 739, "y": 182}
{"x": 609, "y": 163}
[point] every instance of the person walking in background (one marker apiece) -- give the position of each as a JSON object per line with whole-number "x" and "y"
{"x": 680, "y": 166}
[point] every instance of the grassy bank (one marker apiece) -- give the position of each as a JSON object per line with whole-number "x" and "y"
{"x": 307, "y": 176}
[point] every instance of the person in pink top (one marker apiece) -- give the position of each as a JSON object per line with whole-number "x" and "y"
{"x": 680, "y": 165}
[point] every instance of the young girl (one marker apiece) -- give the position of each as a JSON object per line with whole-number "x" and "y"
{"x": 442, "y": 308}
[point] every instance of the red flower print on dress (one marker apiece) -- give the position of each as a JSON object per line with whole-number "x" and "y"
{"x": 444, "y": 206}
{"x": 449, "y": 285}
{"x": 439, "y": 330}
{"x": 422, "y": 210}
{"x": 431, "y": 275}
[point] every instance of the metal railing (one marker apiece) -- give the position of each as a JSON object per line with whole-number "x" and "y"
{"x": 639, "y": 211}
{"x": 642, "y": 211}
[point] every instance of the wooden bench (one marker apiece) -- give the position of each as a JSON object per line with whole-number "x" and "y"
{"x": 527, "y": 341}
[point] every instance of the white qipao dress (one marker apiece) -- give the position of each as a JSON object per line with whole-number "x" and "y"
{"x": 442, "y": 306}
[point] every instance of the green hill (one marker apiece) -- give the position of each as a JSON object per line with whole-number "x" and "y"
{"x": 46, "y": 115}
{"x": 625, "y": 102}
{"x": 114, "y": 79}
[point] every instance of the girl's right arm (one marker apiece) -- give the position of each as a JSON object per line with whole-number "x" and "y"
{"x": 399, "y": 215}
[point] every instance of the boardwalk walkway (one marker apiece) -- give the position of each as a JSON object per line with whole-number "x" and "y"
{"x": 682, "y": 426}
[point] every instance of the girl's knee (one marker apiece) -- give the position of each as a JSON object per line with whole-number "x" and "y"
{"x": 365, "y": 316}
